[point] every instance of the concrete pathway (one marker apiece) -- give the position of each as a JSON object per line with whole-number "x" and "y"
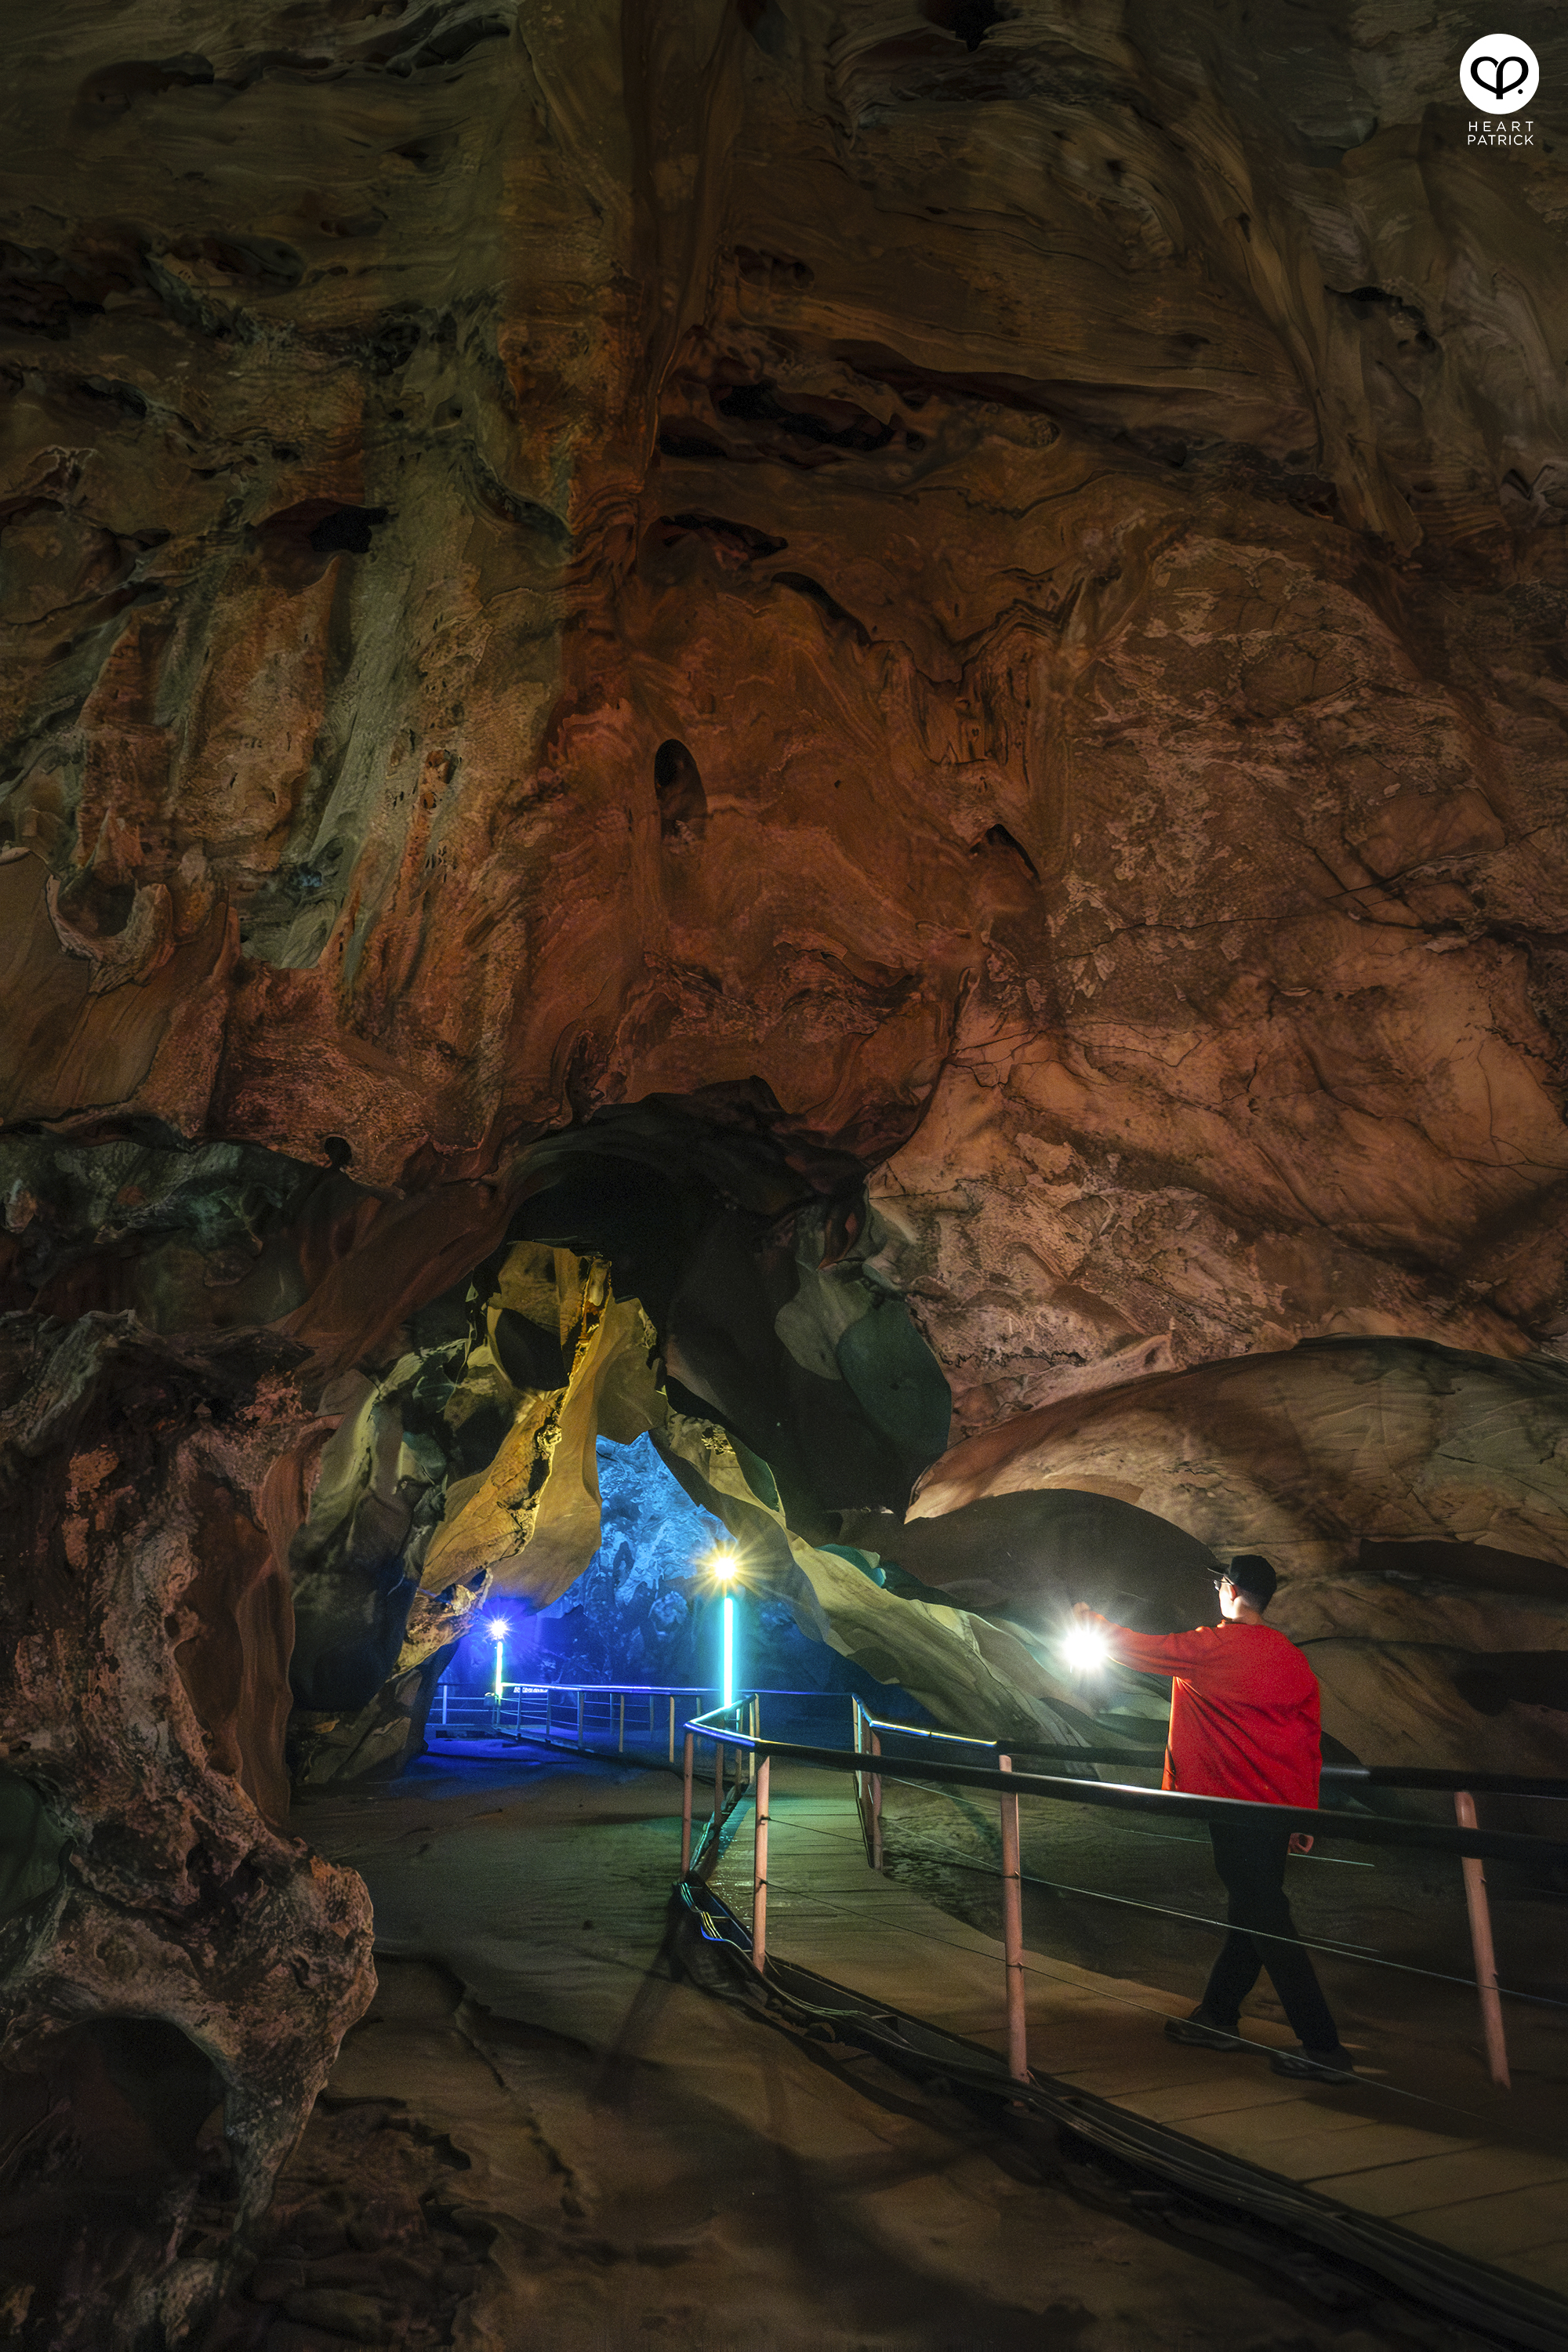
{"x": 659, "y": 2168}
{"x": 1486, "y": 2183}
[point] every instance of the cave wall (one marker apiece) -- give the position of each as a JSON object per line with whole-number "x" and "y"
{"x": 1011, "y": 567}
{"x": 143, "y": 1655}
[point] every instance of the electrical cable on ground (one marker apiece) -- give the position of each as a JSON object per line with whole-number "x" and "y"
{"x": 1037, "y": 1966}
{"x": 1432, "y": 2273}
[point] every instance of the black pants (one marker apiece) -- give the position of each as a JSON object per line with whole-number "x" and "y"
{"x": 1250, "y": 1858}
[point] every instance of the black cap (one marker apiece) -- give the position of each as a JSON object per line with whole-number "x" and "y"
{"x": 1250, "y": 1573}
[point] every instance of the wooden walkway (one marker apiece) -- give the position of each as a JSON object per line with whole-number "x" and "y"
{"x": 1397, "y": 2159}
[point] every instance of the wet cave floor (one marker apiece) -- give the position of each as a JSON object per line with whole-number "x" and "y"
{"x": 537, "y": 2138}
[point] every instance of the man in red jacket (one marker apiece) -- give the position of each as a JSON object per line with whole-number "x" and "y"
{"x": 1244, "y": 1723}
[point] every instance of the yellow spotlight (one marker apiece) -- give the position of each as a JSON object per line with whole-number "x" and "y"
{"x": 723, "y": 1563}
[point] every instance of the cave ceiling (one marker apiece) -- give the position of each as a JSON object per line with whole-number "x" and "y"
{"x": 996, "y": 572}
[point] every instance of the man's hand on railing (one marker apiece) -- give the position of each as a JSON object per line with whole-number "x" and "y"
{"x": 1301, "y": 1841}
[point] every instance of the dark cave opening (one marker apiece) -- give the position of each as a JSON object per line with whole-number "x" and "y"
{"x": 749, "y": 1254}
{"x": 716, "y": 1242}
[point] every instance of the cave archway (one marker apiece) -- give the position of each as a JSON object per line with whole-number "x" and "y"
{"x": 662, "y": 1270}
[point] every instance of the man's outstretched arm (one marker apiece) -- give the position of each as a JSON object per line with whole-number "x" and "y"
{"x": 1188, "y": 1655}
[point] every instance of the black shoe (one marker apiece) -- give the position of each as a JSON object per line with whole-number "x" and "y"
{"x": 1197, "y": 2031}
{"x": 1304, "y": 2065}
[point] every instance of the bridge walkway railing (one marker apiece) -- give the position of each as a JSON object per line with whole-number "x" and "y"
{"x": 892, "y": 1960}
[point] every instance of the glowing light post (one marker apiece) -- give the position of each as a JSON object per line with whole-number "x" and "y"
{"x": 498, "y": 1630}
{"x": 726, "y": 1568}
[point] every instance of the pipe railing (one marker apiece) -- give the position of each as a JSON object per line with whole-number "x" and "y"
{"x": 515, "y": 1710}
{"x": 1444, "y": 1779}
{"x": 1461, "y": 1785}
{"x": 531, "y": 1711}
{"x": 1471, "y": 1843}
{"x": 726, "y": 1796}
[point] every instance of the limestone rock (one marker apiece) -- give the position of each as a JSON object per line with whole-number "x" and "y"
{"x": 143, "y": 1692}
{"x": 1413, "y": 1499}
{"x": 1015, "y": 578}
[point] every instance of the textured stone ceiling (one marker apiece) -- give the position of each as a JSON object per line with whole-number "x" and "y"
{"x": 995, "y": 562}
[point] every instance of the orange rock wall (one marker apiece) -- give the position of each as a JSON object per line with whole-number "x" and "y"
{"x": 992, "y": 566}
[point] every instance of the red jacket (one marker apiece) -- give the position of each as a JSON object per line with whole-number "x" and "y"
{"x": 1244, "y": 1710}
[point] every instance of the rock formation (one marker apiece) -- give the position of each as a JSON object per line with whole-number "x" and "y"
{"x": 552, "y": 561}
{"x": 146, "y": 1642}
{"x": 867, "y": 695}
{"x": 1414, "y": 1498}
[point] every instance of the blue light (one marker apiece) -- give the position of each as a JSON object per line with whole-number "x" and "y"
{"x": 729, "y": 1649}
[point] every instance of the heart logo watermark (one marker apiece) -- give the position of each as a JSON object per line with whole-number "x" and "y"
{"x": 1498, "y": 73}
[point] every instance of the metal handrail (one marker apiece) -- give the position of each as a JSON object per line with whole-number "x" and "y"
{"x": 1479, "y": 1784}
{"x": 722, "y": 1808}
{"x": 504, "y": 1709}
{"x": 1463, "y": 1787}
{"x": 1441, "y": 1779}
{"x": 1471, "y": 1843}
{"x": 1365, "y": 1829}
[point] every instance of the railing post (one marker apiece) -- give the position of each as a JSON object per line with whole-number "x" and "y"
{"x": 717, "y": 1791}
{"x": 867, "y": 1785}
{"x": 877, "y": 1806}
{"x": 622, "y": 1742}
{"x": 759, "y": 1873}
{"x": 858, "y": 1777}
{"x": 672, "y": 1749}
{"x": 1481, "y": 1946}
{"x": 686, "y": 1801}
{"x": 579, "y": 1715}
{"x": 443, "y": 1705}
{"x": 1013, "y": 1935}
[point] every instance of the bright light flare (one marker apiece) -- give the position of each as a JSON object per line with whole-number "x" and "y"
{"x": 497, "y": 1629}
{"x": 724, "y": 1565}
{"x": 1085, "y": 1652}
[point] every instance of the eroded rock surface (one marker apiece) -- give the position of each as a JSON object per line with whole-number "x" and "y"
{"x": 142, "y": 1697}
{"x": 1414, "y": 1498}
{"x": 551, "y": 558}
